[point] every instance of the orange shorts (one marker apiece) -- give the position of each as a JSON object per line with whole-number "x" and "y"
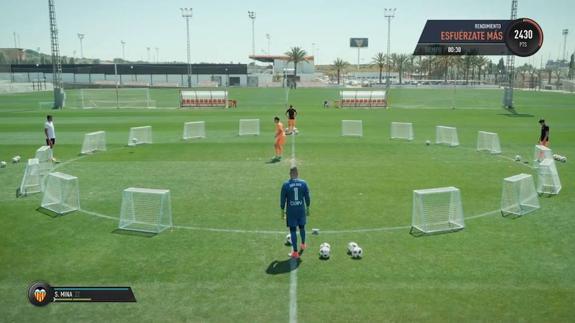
{"x": 280, "y": 140}
{"x": 291, "y": 123}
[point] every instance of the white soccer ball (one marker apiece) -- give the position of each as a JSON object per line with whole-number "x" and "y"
{"x": 350, "y": 246}
{"x": 427, "y": 142}
{"x": 16, "y": 159}
{"x": 325, "y": 244}
{"x": 563, "y": 159}
{"x": 517, "y": 158}
{"x": 288, "y": 240}
{"x": 134, "y": 140}
{"x": 2, "y": 164}
{"x": 324, "y": 252}
{"x": 357, "y": 253}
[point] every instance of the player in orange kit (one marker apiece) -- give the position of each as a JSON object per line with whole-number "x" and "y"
{"x": 279, "y": 140}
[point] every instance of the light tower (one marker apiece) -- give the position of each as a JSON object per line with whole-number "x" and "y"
{"x": 123, "y": 49}
{"x": 187, "y": 13}
{"x": 388, "y": 13}
{"x": 268, "y": 37}
{"x": 565, "y": 32}
{"x": 508, "y": 91}
{"x": 148, "y": 54}
{"x": 56, "y": 64}
{"x": 252, "y": 16}
{"x": 81, "y": 38}
{"x": 157, "y": 54}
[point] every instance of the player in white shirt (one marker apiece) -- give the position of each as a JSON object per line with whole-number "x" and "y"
{"x": 50, "y": 133}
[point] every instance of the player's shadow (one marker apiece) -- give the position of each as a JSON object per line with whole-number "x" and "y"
{"x": 277, "y": 267}
{"x": 135, "y": 233}
{"x": 517, "y": 115}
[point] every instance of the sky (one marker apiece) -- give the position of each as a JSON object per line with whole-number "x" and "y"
{"x": 220, "y": 31}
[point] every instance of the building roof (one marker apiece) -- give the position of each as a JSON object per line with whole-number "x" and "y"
{"x": 272, "y": 58}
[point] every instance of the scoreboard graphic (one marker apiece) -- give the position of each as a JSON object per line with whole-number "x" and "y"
{"x": 521, "y": 37}
{"x": 41, "y": 294}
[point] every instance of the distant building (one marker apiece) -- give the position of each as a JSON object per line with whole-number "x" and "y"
{"x": 281, "y": 63}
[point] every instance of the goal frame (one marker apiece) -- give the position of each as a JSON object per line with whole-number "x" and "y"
{"x": 99, "y": 142}
{"x": 399, "y": 126}
{"x": 242, "y": 127}
{"x": 488, "y": 141}
{"x": 32, "y": 180}
{"x": 440, "y": 138}
{"x": 548, "y": 181}
{"x": 346, "y": 125}
{"x": 140, "y": 141}
{"x": 61, "y": 202}
{"x": 454, "y": 219}
{"x": 518, "y": 196}
{"x": 117, "y": 99}
{"x": 190, "y": 134}
{"x": 128, "y": 217}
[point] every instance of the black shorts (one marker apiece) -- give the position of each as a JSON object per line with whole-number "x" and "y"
{"x": 51, "y": 140}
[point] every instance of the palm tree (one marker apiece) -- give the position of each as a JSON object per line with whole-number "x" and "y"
{"x": 295, "y": 55}
{"x": 480, "y": 61}
{"x": 339, "y": 65}
{"x": 380, "y": 60}
{"x": 398, "y": 61}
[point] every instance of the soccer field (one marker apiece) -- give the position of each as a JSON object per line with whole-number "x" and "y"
{"x": 225, "y": 258}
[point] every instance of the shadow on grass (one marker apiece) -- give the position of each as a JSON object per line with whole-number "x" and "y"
{"x": 417, "y": 233}
{"x": 517, "y": 115}
{"x": 277, "y": 267}
{"x": 135, "y": 233}
{"x": 50, "y": 213}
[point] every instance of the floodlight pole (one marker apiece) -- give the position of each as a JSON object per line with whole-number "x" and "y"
{"x": 268, "y": 38}
{"x": 81, "y": 38}
{"x": 187, "y": 13}
{"x": 148, "y": 54}
{"x": 565, "y": 32}
{"x": 157, "y": 55}
{"x": 123, "y": 50}
{"x": 388, "y": 13}
{"x": 252, "y": 16}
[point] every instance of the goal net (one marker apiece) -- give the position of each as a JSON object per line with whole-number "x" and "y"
{"x": 94, "y": 141}
{"x": 249, "y": 127}
{"x": 518, "y": 196}
{"x": 548, "y": 182}
{"x": 145, "y": 210}
{"x": 44, "y": 156}
{"x": 115, "y": 98}
{"x": 61, "y": 194}
{"x": 366, "y": 99}
{"x": 140, "y": 135}
{"x": 446, "y": 135}
{"x": 32, "y": 179}
{"x": 198, "y": 99}
{"x": 352, "y": 128}
{"x": 488, "y": 141}
{"x": 194, "y": 130}
{"x": 437, "y": 210}
{"x": 540, "y": 153}
{"x": 402, "y": 130}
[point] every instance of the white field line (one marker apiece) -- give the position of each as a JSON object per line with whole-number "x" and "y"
{"x": 293, "y": 291}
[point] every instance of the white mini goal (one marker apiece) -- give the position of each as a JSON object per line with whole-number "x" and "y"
{"x": 145, "y": 210}
{"x": 488, "y": 141}
{"x": 61, "y": 194}
{"x": 249, "y": 127}
{"x": 140, "y": 135}
{"x": 540, "y": 153}
{"x": 44, "y": 156}
{"x": 352, "y": 128}
{"x": 94, "y": 141}
{"x": 437, "y": 210}
{"x": 548, "y": 182}
{"x": 194, "y": 130}
{"x": 447, "y": 136}
{"x": 402, "y": 130}
{"x": 32, "y": 179}
{"x": 518, "y": 196}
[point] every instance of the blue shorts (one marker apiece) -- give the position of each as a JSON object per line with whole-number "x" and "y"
{"x": 297, "y": 219}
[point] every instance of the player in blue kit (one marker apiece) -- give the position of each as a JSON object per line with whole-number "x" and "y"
{"x": 295, "y": 202}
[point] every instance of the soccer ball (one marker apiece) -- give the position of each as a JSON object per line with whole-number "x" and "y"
{"x": 357, "y": 253}
{"x": 324, "y": 252}
{"x": 288, "y": 240}
{"x": 427, "y": 142}
{"x": 15, "y": 159}
{"x": 2, "y": 164}
{"x": 517, "y": 158}
{"x": 134, "y": 140}
{"x": 350, "y": 246}
{"x": 563, "y": 159}
{"x": 325, "y": 244}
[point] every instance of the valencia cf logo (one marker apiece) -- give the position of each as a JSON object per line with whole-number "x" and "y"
{"x": 40, "y": 294}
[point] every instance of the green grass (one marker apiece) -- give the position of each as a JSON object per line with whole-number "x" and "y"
{"x": 497, "y": 269}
